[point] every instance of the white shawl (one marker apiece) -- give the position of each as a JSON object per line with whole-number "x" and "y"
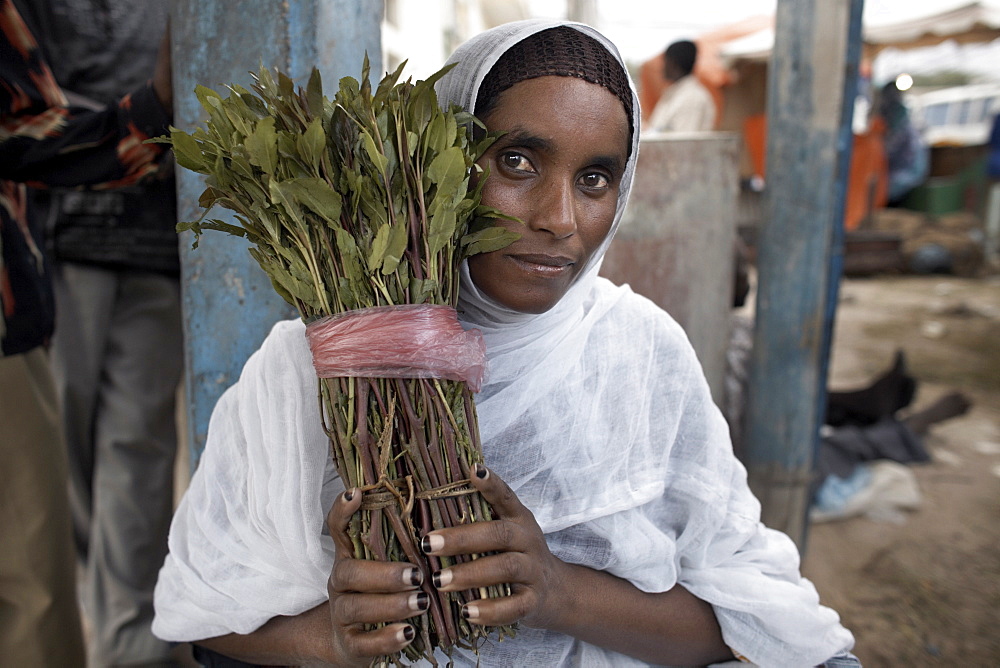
{"x": 596, "y": 413}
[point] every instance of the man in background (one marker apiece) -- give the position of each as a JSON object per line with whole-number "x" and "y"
{"x": 117, "y": 350}
{"x": 46, "y": 141}
{"x": 906, "y": 152}
{"x": 686, "y": 105}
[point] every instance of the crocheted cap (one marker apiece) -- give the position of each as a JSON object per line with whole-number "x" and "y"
{"x": 560, "y": 51}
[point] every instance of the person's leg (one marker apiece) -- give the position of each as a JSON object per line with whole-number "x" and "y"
{"x": 136, "y": 445}
{"x": 944, "y": 408}
{"x": 85, "y": 298}
{"x": 39, "y": 617}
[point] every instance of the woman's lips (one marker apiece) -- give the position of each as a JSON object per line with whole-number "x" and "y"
{"x": 543, "y": 265}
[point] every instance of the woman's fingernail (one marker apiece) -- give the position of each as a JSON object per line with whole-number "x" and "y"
{"x": 482, "y": 472}
{"x": 442, "y": 578}
{"x": 413, "y": 577}
{"x": 471, "y": 611}
{"x": 406, "y": 634}
{"x": 432, "y": 542}
{"x": 419, "y": 601}
{"x": 349, "y": 494}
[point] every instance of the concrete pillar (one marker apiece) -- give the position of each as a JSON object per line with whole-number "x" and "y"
{"x": 675, "y": 244}
{"x": 811, "y": 88}
{"x": 229, "y": 305}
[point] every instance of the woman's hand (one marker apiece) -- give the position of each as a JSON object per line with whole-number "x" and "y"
{"x": 671, "y": 627}
{"x": 523, "y": 560}
{"x": 368, "y": 592}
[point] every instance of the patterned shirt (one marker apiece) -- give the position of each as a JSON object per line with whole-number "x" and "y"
{"x": 44, "y": 142}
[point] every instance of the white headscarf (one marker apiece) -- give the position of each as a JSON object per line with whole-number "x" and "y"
{"x": 597, "y": 414}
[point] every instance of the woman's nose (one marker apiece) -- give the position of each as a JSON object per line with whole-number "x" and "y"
{"x": 554, "y": 211}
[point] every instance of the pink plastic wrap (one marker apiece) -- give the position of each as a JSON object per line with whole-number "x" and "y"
{"x": 407, "y": 341}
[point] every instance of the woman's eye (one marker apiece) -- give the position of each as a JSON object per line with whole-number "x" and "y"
{"x": 595, "y": 180}
{"x": 516, "y": 161}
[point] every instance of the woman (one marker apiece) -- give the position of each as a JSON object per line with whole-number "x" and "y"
{"x": 626, "y": 525}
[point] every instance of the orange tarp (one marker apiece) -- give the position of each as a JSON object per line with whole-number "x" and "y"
{"x": 868, "y": 181}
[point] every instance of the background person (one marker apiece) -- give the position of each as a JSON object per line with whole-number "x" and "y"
{"x": 686, "y": 105}
{"x": 117, "y": 353}
{"x": 906, "y": 152}
{"x": 45, "y": 142}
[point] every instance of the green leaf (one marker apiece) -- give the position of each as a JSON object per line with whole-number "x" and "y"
{"x": 422, "y": 290}
{"x": 223, "y": 226}
{"x": 209, "y": 197}
{"x": 312, "y": 143}
{"x": 488, "y": 240}
{"x": 294, "y": 286}
{"x": 376, "y": 257}
{"x": 262, "y": 145}
{"x": 441, "y": 229}
{"x": 379, "y": 160}
{"x": 395, "y": 248}
{"x": 349, "y": 90}
{"x": 254, "y": 104}
{"x": 283, "y": 195}
{"x": 448, "y": 171}
{"x": 318, "y": 197}
{"x": 386, "y": 85}
{"x": 286, "y": 87}
{"x": 239, "y": 164}
{"x": 435, "y": 140}
{"x": 422, "y": 106}
{"x": 350, "y": 255}
{"x": 314, "y": 93}
{"x": 187, "y": 152}
{"x": 203, "y": 94}
{"x": 450, "y": 129}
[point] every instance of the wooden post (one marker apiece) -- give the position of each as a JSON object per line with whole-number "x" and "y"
{"x": 229, "y": 305}
{"x": 811, "y": 89}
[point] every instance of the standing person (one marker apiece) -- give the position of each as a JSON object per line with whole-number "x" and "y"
{"x": 44, "y": 141}
{"x": 906, "y": 152}
{"x": 992, "y": 245}
{"x": 117, "y": 353}
{"x": 625, "y": 524}
{"x": 685, "y": 105}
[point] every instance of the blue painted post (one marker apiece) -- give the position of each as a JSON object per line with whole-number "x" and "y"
{"x": 229, "y": 305}
{"x": 811, "y": 88}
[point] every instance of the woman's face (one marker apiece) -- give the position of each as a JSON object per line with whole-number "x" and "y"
{"x": 558, "y": 169}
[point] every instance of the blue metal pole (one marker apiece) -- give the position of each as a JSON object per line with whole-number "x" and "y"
{"x": 229, "y": 305}
{"x": 812, "y": 80}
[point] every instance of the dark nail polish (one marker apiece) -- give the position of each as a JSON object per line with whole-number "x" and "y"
{"x": 425, "y": 544}
{"x": 465, "y": 613}
{"x": 409, "y": 633}
{"x": 348, "y": 495}
{"x": 481, "y": 471}
{"x": 436, "y": 579}
{"x": 423, "y": 601}
{"x": 415, "y": 578}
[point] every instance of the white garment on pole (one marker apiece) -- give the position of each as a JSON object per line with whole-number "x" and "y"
{"x": 596, "y": 413}
{"x": 685, "y": 106}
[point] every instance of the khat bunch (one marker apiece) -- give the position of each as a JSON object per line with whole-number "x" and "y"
{"x": 361, "y": 209}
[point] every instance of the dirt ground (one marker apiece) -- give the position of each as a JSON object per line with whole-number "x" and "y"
{"x": 923, "y": 589}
